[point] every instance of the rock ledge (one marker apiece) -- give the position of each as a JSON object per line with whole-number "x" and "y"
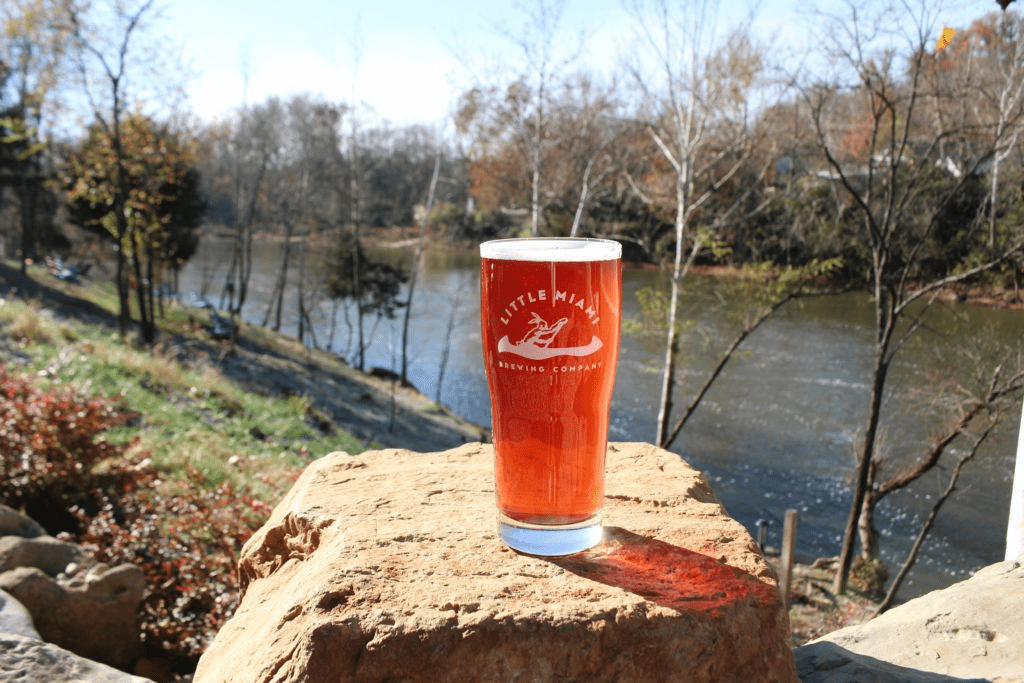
{"x": 386, "y": 566}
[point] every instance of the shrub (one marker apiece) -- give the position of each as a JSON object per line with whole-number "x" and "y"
{"x": 50, "y": 447}
{"x": 187, "y": 543}
{"x": 186, "y": 536}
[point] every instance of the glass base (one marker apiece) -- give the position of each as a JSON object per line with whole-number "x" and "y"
{"x": 550, "y": 541}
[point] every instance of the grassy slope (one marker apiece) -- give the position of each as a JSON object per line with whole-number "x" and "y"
{"x": 251, "y": 415}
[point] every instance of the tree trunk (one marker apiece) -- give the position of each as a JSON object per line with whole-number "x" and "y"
{"x": 302, "y": 290}
{"x": 863, "y": 473}
{"x": 672, "y": 338}
{"x": 334, "y": 325}
{"x": 866, "y": 531}
{"x": 442, "y": 366}
{"x": 993, "y": 205}
{"x": 535, "y": 204}
{"x": 277, "y": 298}
{"x": 357, "y": 288}
{"x": 535, "y": 163}
{"x": 584, "y": 191}
{"x": 417, "y": 262}
{"x": 141, "y": 298}
{"x": 28, "y": 216}
{"x": 229, "y": 283}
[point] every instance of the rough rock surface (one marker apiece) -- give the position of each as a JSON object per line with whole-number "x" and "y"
{"x": 73, "y": 603}
{"x": 94, "y": 614}
{"x": 14, "y": 618}
{"x": 386, "y": 566}
{"x": 972, "y": 630}
{"x": 27, "y": 660}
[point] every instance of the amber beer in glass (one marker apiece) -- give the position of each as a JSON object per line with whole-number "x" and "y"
{"x": 549, "y": 313}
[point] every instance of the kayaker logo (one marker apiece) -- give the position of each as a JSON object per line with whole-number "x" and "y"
{"x": 536, "y": 344}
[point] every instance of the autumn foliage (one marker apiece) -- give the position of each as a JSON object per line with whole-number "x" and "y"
{"x": 187, "y": 543}
{"x": 50, "y": 446}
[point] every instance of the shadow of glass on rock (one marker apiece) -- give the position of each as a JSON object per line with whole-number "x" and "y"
{"x": 666, "y": 574}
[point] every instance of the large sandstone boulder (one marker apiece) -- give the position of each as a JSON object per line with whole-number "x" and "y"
{"x": 972, "y": 630}
{"x": 386, "y": 566}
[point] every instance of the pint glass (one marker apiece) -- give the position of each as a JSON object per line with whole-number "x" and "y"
{"x": 549, "y": 314}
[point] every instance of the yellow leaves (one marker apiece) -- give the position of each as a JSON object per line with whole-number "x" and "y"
{"x": 943, "y": 40}
{"x": 150, "y": 161}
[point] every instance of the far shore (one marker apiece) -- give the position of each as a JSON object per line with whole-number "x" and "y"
{"x": 408, "y": 237}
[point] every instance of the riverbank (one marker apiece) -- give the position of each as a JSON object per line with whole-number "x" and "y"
{"x": 407, "y": 238}
{"x": 71, "y": 329}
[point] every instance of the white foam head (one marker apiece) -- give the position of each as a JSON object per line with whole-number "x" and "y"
{"x": 551, "y": 249}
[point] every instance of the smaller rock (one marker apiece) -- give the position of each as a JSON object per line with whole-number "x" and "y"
{"x": 46, "y": 553}
{"x": 970, "y": 630}
{"x": 95, "y": 616}
{"x": 14, "y": 618}
{"x": 823, "y": 662}
{"x": 13, "y": 523}
{"x": 28, "y": 660}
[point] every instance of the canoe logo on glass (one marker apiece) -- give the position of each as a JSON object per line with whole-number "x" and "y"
{"x": 543, "y": 333}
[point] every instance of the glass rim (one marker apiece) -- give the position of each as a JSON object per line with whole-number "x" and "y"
{"x": 551, "y": 249}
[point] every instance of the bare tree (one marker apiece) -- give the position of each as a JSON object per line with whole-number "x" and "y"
{"x": 453, "y": 321}
{"x": 514, "y": 118}
{"x": 1006, "y": 96}
{"x": 255, "y": 147}
{"x": 538, "y": 42}
{"x": 301, "y": 191}
{"x": 417, "y": 263}
{"x": 985, "y": 407}
{"x": 900, "y": 206}
{"x": 698, "y": 117}
{"x": 587, "y": 119}
{"x": 354, "y": 193}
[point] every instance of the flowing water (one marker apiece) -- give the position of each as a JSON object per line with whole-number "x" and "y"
{"x": 779, "y": 428}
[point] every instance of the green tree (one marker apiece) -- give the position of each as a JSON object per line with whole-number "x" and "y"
{"x": 34, "y": 40}
{"x": 152, "y": 182}
{"x": 114, "y": 51}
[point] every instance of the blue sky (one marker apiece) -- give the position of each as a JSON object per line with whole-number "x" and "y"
{"x": 409, "y": 70}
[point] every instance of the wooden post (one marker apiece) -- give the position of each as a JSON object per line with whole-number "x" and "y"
{"x": 1015, "y": 525}
{"x": 788, "y": 548}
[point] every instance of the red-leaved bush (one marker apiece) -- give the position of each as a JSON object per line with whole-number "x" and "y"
{"x": 186, "y": 537}
{"x": 187, "y": 543}
{"x": 50, "y": 445}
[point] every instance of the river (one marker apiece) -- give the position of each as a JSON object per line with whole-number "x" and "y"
{"x": 777, "y": 431}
